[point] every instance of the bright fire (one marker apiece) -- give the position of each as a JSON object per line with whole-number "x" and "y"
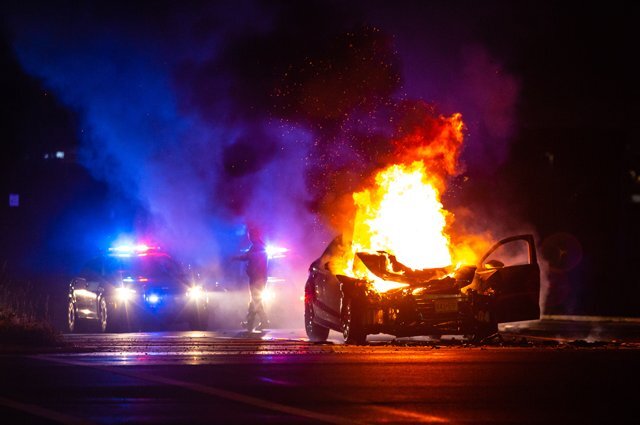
{"x": 401, "y": 213}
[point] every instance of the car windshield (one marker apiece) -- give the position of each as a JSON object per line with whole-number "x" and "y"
{"x": 153, "y": 267}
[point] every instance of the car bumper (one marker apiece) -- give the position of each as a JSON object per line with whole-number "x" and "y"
{"x": 164, "y": 308}
{"x": 408, "y": 314}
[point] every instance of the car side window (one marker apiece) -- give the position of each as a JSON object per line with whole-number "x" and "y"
{"x": 93, "y": 285}
{"x": 513, "y": 253}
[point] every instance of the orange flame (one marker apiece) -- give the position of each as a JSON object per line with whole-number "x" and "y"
{"x": 401, "y": 213}
{"x": 437, "y": 142}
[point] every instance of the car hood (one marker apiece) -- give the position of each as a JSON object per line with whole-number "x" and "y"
{"x": 433, "y": 280}
{"x": 385, "y": 266}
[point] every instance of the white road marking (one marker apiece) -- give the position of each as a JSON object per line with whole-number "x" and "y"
{"x": 216, "y": 392}
{"x": 413, "y": 416}
{"x": 254, "y": 401}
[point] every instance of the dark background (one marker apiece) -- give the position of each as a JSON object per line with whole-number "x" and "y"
{"x": 571, "y": 170}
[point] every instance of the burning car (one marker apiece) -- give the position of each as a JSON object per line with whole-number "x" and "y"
{"x": 398, "y": 300}
{"x": 133, "y": 285}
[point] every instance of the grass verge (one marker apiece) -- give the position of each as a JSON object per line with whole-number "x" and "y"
{"x": 17, "y": 332}
{"x": 25, "y": 315}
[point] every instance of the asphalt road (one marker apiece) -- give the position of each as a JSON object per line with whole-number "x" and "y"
{"x": 229, "y": 377}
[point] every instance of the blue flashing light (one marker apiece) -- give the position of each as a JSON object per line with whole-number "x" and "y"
{"x": 153, "y": 299}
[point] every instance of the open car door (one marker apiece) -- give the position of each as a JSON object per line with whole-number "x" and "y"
{"x": 510, "y": 268}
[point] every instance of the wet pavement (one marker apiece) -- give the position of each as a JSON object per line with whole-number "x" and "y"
{"x": 522, "y": 375}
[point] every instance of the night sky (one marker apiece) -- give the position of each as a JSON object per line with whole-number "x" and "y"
{"x": 188, "y": 120}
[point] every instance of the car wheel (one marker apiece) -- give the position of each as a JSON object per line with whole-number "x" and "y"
{"x": 352, "y": 323}
{"x": 72, "y": 319}
{"x": 110, "y": 320}
{"x": 315, "y": 332}
{"x": 74, "y": 323}
{"x": 103, "y": 316}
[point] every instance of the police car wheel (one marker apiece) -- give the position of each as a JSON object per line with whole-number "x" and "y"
{"x": 72, "y": 320}
{"x": 74, "y": 323}
{"x": 103, "y": 317}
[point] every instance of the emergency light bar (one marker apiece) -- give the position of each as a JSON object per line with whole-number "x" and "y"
{"x": 130, "y": 249}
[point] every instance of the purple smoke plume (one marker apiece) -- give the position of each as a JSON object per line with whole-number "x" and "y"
{"x": 213, "y": 115}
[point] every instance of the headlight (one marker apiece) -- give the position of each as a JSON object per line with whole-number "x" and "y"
{"x": 153, "y": 298}
{"x": 196, "y": 293}
{"x": 125, "y": 294}
{"x": 268, "y": 295}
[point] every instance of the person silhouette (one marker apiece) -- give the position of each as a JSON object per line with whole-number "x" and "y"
{"x": 257, "y": 264}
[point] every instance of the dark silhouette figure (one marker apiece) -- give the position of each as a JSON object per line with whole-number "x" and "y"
{"x": 257, "y": 262}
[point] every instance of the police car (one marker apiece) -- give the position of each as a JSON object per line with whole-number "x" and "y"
{"x": 131, "y": 286}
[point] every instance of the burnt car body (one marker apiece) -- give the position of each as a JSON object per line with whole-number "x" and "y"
{"x": 468, "y": 300}
{"x": 130, "y": 290}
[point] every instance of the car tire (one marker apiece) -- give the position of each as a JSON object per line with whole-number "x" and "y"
{"x": 72, "y": 318}
{"x": 113, "y": 323}
{"x": 74, "y": 323}
{"x": 315, "y": 332}
{"x": 352, "y": 323}
{"x": 103, "y": 316}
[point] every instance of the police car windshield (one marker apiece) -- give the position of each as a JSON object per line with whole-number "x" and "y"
{"x": 153, "y": 267}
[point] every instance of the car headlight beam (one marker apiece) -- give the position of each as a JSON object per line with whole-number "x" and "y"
{"x": 196, "y": 293}
{"x": 125, "y": 294}
{"x": 268, "y": 295}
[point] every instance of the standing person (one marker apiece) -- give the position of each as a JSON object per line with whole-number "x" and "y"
{"x": 257, "y": 262}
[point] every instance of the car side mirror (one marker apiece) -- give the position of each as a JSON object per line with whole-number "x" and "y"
{"x": 493, "y": 264}
{"x": 326, "y": 266}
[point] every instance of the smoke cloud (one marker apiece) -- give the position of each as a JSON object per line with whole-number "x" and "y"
{"x": 218, "y": 114}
